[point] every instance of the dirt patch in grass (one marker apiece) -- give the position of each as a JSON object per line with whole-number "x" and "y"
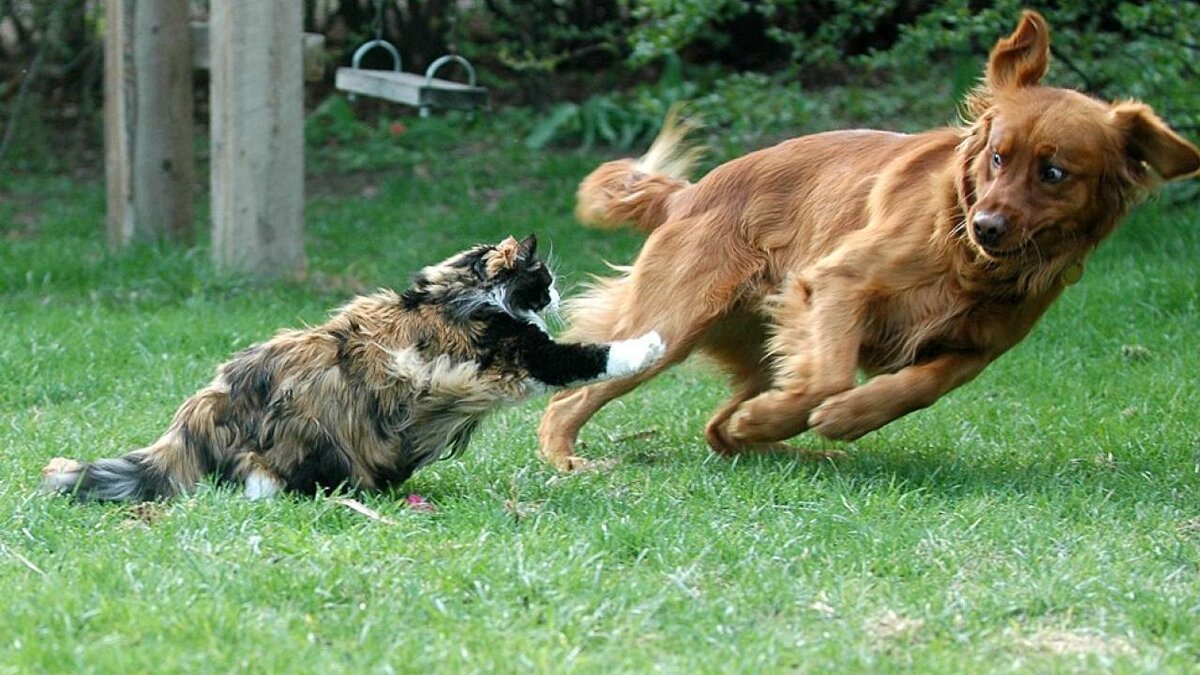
{"x": 1191, "y": 526}
{"x": 144, "y": 514}
{"x": 1077, "y": 643}
{"x": 889, "y": 628}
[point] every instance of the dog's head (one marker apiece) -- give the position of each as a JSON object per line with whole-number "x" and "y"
{"x": 1047, "y": 173}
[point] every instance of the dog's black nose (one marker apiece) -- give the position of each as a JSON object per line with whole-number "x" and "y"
{"x": 989, "y": 227}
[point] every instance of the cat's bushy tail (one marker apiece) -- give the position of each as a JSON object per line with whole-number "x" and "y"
{"x": 636, "y": 192}
{"x": 173, "y": 464}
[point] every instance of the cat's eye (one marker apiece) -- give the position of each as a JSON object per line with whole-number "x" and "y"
{"x": 997, "y": 160}
{"x": 1052, "y": 174}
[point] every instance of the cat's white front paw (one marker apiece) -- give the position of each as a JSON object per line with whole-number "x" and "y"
{"x": 626, "y": 357}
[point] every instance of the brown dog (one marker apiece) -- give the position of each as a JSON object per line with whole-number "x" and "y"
{"x": 918, "y": 259}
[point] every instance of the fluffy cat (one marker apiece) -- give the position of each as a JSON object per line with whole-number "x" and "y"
{"x": 388, "y": 384}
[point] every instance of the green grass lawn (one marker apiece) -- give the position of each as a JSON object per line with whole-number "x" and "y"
{"x": 1044, "y": 518}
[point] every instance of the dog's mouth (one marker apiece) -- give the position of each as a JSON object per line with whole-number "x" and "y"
{"x": 1000, "y": 253}
{"x": 996, "y": 252}
{"x": 1044, "y": 242}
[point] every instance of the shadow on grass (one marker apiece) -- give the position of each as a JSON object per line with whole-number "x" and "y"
{"x": 955, "y": 474}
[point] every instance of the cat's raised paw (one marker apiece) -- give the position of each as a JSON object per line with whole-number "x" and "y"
{"x": 627, "y": 357}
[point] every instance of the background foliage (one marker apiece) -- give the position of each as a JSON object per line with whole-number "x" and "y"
{"x": 1042, "y": 519}
{"x": 602, "y": 72}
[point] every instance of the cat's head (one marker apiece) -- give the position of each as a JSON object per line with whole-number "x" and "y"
{"x": 508, "y": 275}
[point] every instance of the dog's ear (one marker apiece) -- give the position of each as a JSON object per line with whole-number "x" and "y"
{"x": 1021, "y": 59}
{"x": 1150, "y": 141}
{"x": 969, "y": 150}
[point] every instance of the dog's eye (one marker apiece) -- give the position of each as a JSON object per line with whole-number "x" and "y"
{"x": 1053, "y": 174}
{"x": 996, "y": 160}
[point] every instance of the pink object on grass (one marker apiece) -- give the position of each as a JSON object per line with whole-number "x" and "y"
{"x": 418, "y": 503}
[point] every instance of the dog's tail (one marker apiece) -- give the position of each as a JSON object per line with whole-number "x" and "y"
{"x": 173, "y": 464}
{"x": 627, "y": 191}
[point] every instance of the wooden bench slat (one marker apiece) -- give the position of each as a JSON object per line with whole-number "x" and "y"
{"x": 411, "y": 89}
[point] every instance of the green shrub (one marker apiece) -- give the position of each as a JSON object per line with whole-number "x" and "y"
{"x": 889, "y": 64}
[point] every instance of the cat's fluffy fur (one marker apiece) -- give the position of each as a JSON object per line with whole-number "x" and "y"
{"x": 388, "y": 384}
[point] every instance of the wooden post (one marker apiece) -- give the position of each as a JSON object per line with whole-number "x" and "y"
{"x": 148, "y": 121}
{"x": 257, "y": 136}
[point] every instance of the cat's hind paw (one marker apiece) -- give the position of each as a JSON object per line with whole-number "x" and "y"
{"x": 628, "y": 357}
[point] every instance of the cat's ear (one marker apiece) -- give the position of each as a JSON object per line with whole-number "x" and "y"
{"x": 529, "y": 246}
{"x": 504, "y": 257}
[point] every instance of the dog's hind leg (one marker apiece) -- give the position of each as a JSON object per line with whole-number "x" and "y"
{"x": 670, "y": 289}
{"x": 738, "y": 345}
{"x": 569, "y": 410}
{"x": 743, "y": 391}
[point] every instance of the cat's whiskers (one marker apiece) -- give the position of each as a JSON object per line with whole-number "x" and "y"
{"x": 552, "y": 314}
{"x": 535, "y": 319}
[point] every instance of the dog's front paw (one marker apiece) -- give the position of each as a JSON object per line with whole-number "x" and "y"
{"x": 566, "y": 463}
{"x": 843, "y": 418}
{"x": 628, "y": 357}
{"x": 767, "y": 418}
{"x": 749, "y": 427}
